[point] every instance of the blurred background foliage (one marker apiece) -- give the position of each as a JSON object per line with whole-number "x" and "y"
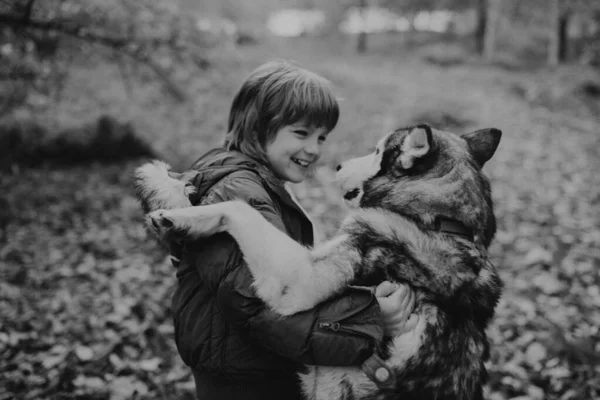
{"x": 90, "y": 89}
{"x": 169, "y": 41}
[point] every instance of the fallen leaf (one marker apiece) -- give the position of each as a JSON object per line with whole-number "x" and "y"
{"x": 51, "y": 361}
{"x": 535, "y": 393}
{"x": 124, "y": 388}
{"x": 515, "y": 370}
{"x": 84, "y": 353}
{"x": 570, "y": 394}
{"x": 150, "y": 364}
{"x": 560, "y": 372}
{"x": 535, "y": 354}
{"x": 116, "y": 361}
{"x": 538, "y": 255}
{"x": 90, "y": 382}
{"x": 548, "y": 283}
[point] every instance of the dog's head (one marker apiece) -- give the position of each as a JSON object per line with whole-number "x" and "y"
{"x": 427, "y": 174}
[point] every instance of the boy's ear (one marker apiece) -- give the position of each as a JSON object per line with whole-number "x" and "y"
{"x": 483, "y": 143}
{"x": 417, "y": 143}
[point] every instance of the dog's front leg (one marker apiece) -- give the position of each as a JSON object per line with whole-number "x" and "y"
{"x": 287, "y": 276}
{"x": 189, "y": 222}
{"x": 159, "y": 188}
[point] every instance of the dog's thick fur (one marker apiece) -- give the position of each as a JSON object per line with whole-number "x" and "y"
{"x": 414, "y": 177}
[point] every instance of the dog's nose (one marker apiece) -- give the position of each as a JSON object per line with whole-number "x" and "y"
{"x": 338, "y": 167}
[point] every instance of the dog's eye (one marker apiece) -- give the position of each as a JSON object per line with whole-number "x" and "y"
{"x": 389, "y": 160}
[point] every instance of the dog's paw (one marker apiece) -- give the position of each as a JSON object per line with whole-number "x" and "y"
{"x": 159, "y": 188}
{"x": 164, "y": 226}
{"x": 186, "y": 223}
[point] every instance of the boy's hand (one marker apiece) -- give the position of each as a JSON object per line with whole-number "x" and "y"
{"x": 396, "y": 303}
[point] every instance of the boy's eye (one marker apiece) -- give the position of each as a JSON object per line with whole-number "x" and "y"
{"x": 301, "y": 132}
{"x": 322, "y": 139}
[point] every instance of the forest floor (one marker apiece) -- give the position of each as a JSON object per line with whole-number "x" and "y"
{"x": 85, "y": 293}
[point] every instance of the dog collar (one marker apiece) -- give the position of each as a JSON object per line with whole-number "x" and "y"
{"x": 453, "y": 227}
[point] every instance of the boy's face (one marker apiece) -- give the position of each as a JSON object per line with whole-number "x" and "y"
{"x": 294, "y": 150}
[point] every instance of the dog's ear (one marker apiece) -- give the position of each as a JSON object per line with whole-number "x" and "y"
{"x": 417, "y": 143}
{"x": 483, "y": 143}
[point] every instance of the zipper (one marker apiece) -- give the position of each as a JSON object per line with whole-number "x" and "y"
{"x": 332, "y": 326}
{"x": 339, "y": 328}
{"x": 335, "y": 325}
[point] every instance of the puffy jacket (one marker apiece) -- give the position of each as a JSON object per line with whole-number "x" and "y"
{"x": 236, "y": 346}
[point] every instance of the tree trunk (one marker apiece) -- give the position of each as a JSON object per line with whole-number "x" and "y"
{"x": 563, "y": 37}
{"x": 335, "y": 12}
{"x": 481, "y": 26}
{"x": 489, "y": 40}
{"x": 554, "y": 32}
{"x": 361, "y": 44}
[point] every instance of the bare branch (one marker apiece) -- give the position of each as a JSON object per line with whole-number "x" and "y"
{"x": 7, "y": 3}
{"x": 64, "y": 28}
{"x": 122, "y": 67}
{"x": 175, "y": 90}
{"x": 70, "y": 28}
{"x": 127, "y": 46}
{"x": 28, "y": 10}
{"x": 17, "y": 75}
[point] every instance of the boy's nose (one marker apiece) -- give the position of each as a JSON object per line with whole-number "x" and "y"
{"x": 313, "y": 149}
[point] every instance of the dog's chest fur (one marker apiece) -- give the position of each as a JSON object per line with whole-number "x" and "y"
{"x": 457, "y": 288}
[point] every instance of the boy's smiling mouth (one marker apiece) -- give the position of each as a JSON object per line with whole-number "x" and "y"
{"x": 302, "y": 163}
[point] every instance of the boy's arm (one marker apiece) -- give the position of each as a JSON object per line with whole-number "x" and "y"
{"x": 341, "y": 331}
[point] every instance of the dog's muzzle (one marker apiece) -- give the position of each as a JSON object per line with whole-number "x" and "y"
{"x": 352, "y": 174}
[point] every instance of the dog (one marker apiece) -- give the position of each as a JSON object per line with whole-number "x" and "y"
{"x": 421, "y": 214}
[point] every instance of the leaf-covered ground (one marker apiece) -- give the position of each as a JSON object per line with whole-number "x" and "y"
{"x": 85, "y": 294}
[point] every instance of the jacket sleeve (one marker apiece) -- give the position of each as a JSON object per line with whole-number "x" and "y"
{"x": 342, "y": 331}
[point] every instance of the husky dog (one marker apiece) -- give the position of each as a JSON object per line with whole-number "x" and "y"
{"x": 423, "y": 216}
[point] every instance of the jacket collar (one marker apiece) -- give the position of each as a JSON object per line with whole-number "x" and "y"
{"x": 220, "y": 162}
